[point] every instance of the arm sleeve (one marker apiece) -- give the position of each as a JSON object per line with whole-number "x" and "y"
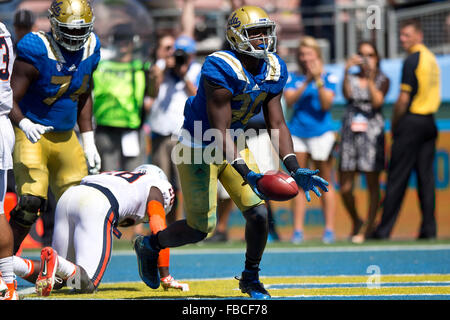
{"x": 409, "y": 80}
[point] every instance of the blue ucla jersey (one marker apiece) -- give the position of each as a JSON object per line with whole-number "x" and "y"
{"x": 309, "y": 120}
{"x": 249, "y": 91}
{"x": 52, "y": 99}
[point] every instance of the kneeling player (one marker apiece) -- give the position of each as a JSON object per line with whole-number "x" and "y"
{"x": 86, "y": 217}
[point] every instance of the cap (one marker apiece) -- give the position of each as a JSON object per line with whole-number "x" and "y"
{"x": 24, "y": 18}
{"x": 186, "y": 43}
{"x": 123, "y": 31}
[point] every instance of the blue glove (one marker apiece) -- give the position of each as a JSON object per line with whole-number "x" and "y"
{"x": 307, "y": 180}
{"x": 251, "y": 178}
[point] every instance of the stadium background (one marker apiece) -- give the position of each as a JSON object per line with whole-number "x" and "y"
{"x": 351, "y": 21}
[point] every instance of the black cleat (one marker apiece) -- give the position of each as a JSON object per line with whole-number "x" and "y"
{"x": 249, "y": 283}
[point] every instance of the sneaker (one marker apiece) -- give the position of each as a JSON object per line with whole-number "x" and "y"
{"x": 273, "y": 235}
{"x": 147, "y": 259}
{"x": 46, "y": 278}
{"x": 170, "y": 283}
{"x": 11, "y": 292}
{"x": 217, "y": 237}
{"x": 249, "y": 283}
{"x": 328, "y": 237}
{"x": 297, "y": 237}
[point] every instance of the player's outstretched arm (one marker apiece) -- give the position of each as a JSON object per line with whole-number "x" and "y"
{"x": 305, "y": 178}
{"x": 23, "y": 75}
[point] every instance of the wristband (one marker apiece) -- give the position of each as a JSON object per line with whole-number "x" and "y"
{"x": 291, "y": 163}
{"x": 87, "y": 138}
{"x": 156, "y": 216}
{"x": 241, "y": 167}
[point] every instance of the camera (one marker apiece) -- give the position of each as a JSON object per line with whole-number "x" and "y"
{"x": 181, "y": 57}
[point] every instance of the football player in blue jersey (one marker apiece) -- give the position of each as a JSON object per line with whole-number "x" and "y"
{"x": 52, "y": 82}
{"x": 235, "y": 85}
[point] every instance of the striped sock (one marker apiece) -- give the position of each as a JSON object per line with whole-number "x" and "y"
{"x": 23, "y": 267}
{"x": 65, "y": 268}
{"x": 7, "y": 269}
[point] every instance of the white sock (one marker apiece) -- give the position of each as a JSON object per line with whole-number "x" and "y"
{"x": 7, "y": 269}
{"x": 65, "y": 268}
{"x": 23, "y": 267}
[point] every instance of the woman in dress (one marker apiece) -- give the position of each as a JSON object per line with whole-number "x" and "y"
{"x": 362, "y": 135}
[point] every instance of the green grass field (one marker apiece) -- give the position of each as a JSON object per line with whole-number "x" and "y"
{"x": 283, "y": 287}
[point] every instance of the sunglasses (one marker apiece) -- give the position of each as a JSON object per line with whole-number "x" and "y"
{"x": 370, "y": 55}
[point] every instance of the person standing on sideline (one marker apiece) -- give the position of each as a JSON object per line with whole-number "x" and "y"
{"x": 414, "y": 134}
{"x": 7, "y": 139}
{"x": 23, "y": 23}
{"x": 120, "y": 88}
{"x": 311, "y": 93}
{"x": 362, "y": 134}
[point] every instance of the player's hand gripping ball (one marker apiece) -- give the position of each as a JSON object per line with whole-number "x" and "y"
{"x": 278, "y": 186}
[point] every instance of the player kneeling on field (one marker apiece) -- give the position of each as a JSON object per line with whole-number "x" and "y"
{"x": 86, "y": 217}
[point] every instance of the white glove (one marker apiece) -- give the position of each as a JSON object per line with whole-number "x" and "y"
{"x": 91, "y": 153}
{"x": 33, "y": 130}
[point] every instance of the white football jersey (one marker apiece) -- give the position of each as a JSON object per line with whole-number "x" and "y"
{"x": 6, "y": 66}
{"x": 131, "y": 189}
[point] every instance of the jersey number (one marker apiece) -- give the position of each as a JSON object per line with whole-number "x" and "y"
{"x": 64, "y": 84}
{"x": 129, "y": 176}
{"x": 4, "y": 62}
{"x": 240, "y": 115}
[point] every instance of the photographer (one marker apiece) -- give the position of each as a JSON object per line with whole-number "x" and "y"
{"x": 174, "y": 77}
{"x": 362, "y": 134}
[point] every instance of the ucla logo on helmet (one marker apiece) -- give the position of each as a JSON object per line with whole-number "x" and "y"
{"x": 57, "y": 8}
{"x": 234, "y": 21}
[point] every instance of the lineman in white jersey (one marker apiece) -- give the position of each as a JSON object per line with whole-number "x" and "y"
{"x": 86, "y": 217}
{"x": 7, "y": 277}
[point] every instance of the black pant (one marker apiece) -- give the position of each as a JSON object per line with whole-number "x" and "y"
{"x": 413, "y": 148}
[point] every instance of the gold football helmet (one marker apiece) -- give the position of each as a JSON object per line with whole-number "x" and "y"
{"x": 240, "y": 24}
{"x": 72, "y": 22}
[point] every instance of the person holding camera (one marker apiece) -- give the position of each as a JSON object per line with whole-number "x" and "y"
{"x": 362, "y": 134}
{"x": 174, "y": 77}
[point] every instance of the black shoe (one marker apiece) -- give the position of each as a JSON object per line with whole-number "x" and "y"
{"x": 423, "y": 236}
{"x": 217, "y": 237}
{"x": 249, "y": 283}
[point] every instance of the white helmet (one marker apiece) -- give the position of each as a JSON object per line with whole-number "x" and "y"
{"x": 152, "y": 170}
{"x": 164, "y": 186}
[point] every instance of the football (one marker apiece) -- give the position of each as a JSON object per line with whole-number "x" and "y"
{"x": 278, "y": 186}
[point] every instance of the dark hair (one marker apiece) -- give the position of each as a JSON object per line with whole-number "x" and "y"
{"x": 24, "y": 18}
{"x": 415, "y": 23}
{"x": 374, "y": 47}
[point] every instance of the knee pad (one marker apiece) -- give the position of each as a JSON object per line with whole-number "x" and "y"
{"x": 28, "y": 210}
{"x": 258, "y": 214}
